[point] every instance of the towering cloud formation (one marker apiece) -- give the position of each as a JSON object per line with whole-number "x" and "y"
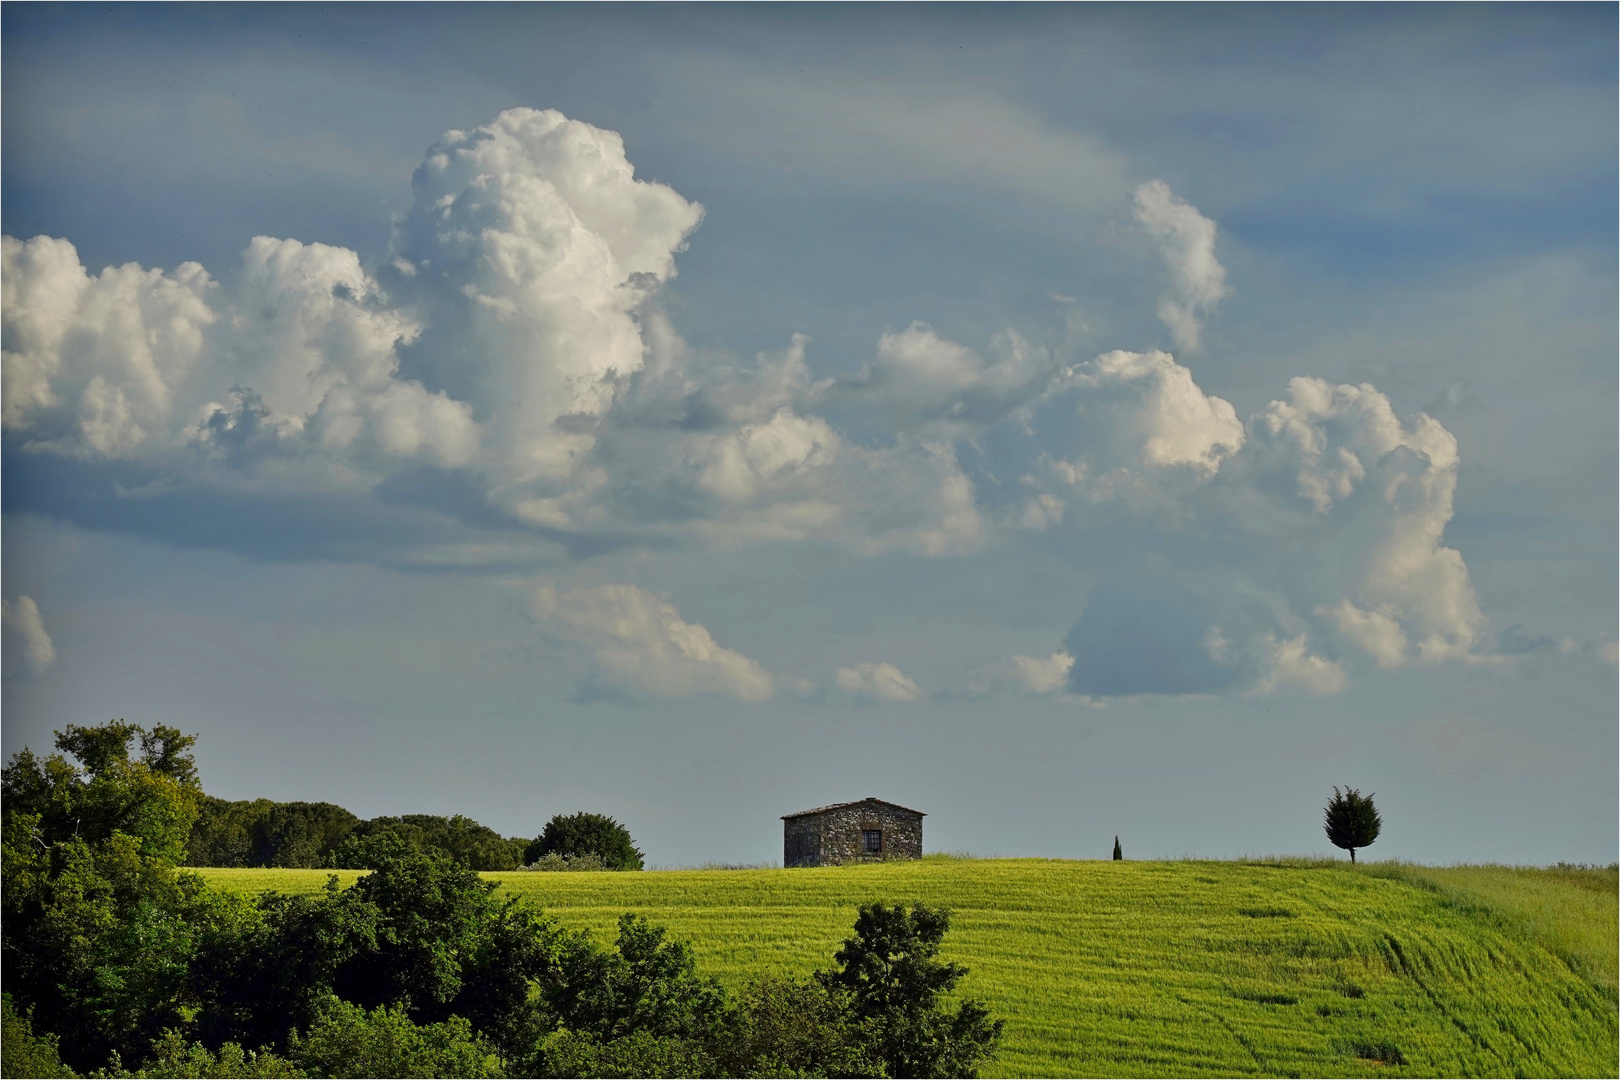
{"x": 512, "y": 329}
{"x": 1345, "y": 440}
{"x": 532, "y": 245}
{"x": 1329, "y": 475}
{"x": 507, "y": 356}
{"x": 1187, "y": 242}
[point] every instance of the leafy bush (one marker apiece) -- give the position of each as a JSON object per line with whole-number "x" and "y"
{"x": 171, "y": 1057}
{"x": 586, "y": 834}
{"x": 555, "y": 862}
{"x": 265, "y": 833}
{"x": 415, "y": 970}
{"x": 576, "y": 1054}
{"x": 891, "y": 972}
{"x": 460, "y": 839}
{"x": 302, "y": 834}
{"x": 349, "y": 1041}
{"x": 22, "y": 1053}
{"x": 645, "y": 983}
{"x": 787, "y": 1028}
{"x": 418, "y": 932}
{"x": 93, "y": 947}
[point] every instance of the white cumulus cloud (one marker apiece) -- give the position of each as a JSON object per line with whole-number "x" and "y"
{"x": 1324, "y": 513}
{"x": 929, "y": 383}
{"x": 532, "y": 245}
{"x": 512, "y": 329}
{"x": 878, "y": 681}
{"x": 27, "y": 626}
{"x": 1145, "y": 409}
{"x": 509, "y": 352}
{"x": 1187, "y": 243}
{"x": 96, "y": 362}
{"x": 1293, "y": 664}
{"x": 1378, "y": 634}
{"x": 1345, "y": 445}
{"x": 1044, "y": 674}
{"x": 639, "y": 639}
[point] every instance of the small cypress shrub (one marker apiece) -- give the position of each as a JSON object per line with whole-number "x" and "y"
{"x": 1351, "y": 821}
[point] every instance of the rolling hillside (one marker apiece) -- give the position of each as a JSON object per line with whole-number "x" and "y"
{"x": 1182, "y": 968}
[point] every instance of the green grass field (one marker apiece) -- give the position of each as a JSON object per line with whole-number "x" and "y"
{"x": 1181, "y": 968}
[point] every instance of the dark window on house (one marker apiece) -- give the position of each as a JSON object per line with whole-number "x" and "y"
{"x": 874, "y": 839}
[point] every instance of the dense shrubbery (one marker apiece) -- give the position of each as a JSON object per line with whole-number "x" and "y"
{"x": 120, "y": 963}
{"x": 260, "y": 832}
{"x": 577, "y": 835}
{"x": 566, "y": 862}
{"x": 311, "y": 835}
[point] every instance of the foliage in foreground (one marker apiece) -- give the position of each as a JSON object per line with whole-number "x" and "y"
{"x": 22, "y": 1053}
{"x": 415, "y": 970}
{"x": 891, "y": 972}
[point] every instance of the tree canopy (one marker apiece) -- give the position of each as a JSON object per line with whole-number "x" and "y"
{"x": 123, "y": 966}
{"x": 891, "y": 971}
{"x": 1351, "y": 821}
{"x": 579, "y": 834}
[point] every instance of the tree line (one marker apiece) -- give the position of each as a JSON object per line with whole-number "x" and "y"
{"x": 320, "y": 835}
{"x": 115, "y": 963}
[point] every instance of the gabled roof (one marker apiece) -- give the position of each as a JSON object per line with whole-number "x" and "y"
{"x": 857, "y": 802}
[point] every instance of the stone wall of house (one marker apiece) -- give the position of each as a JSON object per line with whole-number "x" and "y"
{"x": 837, "y": 836}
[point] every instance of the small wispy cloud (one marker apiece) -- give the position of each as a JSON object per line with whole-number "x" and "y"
{"x": 878, "y": 682}
{"x": 1187, "y": 243}
{"x": 639, "y": 640}
{"x": 37, "y": 651}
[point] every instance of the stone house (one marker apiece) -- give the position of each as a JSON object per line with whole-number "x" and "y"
{"x": 869, "y": 830}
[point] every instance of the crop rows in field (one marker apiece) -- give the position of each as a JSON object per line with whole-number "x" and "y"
{"x": 1137, "y": 968}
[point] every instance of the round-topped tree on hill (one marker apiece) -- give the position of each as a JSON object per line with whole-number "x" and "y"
{"x": 574, "y": 835}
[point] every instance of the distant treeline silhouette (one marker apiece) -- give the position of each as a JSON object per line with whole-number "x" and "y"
{"x": 314, "y": 835}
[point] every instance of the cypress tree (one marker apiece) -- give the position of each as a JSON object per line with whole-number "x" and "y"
{"x": 1118, "y": 854}
{"x": 1351, "y": 821}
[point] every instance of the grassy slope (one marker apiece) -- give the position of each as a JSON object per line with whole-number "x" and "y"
{"x": 1182, "y": 968}
{"x": 1572, "y": 912}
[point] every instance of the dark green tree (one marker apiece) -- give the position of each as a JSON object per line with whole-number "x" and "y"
{"x": 891, "y": 972}
{"x": 347, "y": 1040}
{"x": 785, "y": 1027}
{"x": 586, "y": 834}
{"x": 24, "y": 1053}
{"x": 462, "y": 839}
{"x": 93, "y": 945}
{"x": 645, "y": 983}
{"x": 639, "y": 1009}
{"x": 1351, "y": 820}
{"x": 418, "y": 933}
{"x": 1119, "y": 852}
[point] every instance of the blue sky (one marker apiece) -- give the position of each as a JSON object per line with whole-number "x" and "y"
{"x": 1068, "y": 421}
